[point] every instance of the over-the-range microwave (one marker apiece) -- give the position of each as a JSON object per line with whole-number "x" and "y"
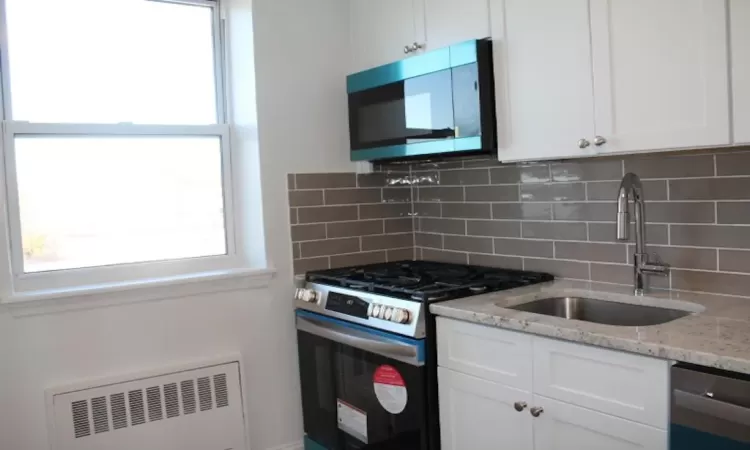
{"x": 438, "y": 103}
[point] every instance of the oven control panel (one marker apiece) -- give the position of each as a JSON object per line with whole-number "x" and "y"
{"x": 378, "y": 311}
{"x": 347, "y": 304}
{"x": 390, "y": 313}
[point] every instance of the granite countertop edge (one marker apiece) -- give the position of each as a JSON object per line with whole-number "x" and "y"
{"x": 715, "y": 334}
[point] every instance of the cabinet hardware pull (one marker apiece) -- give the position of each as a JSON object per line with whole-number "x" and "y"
{"x": 599, "y": 141}
{"x": 407, "y": 49}
{"x": 417, "y": 46}
{"x": 583, "y": 143}
{"x": 520, "y": 406}
{"x": 536, "y": 411}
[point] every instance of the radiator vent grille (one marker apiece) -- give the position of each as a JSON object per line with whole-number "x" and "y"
{"x": 119, "y": 413}
{"x": 168, "y": 395}
{"x": 81, "y": 425}
{"x": 137, "y": 416}
{"x": 204, "y": 393}
{"x": 220, "y": 390}
{"x": 188, "y": 396}
{"x": 99, "y": 411}
{"x": 171, "y": 400}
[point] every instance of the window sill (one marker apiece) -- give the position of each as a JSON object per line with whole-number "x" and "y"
{"x": 84, "y": 297}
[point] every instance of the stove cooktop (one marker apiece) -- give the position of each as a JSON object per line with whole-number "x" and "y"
{"x": 426, "y": 281}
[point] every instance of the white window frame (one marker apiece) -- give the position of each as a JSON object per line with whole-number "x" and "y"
{"x": 11, "y": 243}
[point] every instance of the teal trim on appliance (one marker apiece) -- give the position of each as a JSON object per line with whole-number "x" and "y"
{"x": 434, "y": 61}
{"x": 312, "y": 445}
{"x": 463, "y": 53}
{"x": 421, "y": 148}
{"x": 684, "y": 438}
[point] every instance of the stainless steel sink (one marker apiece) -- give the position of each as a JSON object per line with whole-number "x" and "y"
{"x": 601, "y": 311}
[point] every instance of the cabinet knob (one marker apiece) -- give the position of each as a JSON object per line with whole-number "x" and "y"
{"x": 417, "y": 46}
{"x": 599, "y": 141}
{"x": 407, "y": 49}
{"x": 536, "y": 411}
{"x": 520, "y": 406}
{"x": 583, "y": 143}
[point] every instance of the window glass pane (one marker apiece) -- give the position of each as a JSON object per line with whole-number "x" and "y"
{"x": 93, "y": 201}
{"x": 110, "y": 61}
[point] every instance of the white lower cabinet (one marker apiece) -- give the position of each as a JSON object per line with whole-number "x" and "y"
{"x": 576, "y": 396}
{"x": 477, "y": 414}
{"x": 562, "y": 426}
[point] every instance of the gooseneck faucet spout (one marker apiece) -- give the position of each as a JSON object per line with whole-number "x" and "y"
{"x": 631, "y": 188}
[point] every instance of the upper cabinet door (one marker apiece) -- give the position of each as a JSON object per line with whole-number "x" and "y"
{"x": 380, "y": 29}
{"x": 450, "y": 21}
{"x": 561, "y": 426}
{"x": 544, "y": 91}
{"x": 740, "y": 18}
{"x": 660, "y": 73}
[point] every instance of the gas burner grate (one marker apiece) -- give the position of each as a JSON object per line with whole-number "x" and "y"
{"x": 426, "y": 281}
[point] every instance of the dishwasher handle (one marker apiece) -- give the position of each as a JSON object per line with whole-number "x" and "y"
{"x": 709, "y": 406}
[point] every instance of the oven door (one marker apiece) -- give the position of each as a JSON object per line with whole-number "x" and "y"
{"x": 361, "y": 388}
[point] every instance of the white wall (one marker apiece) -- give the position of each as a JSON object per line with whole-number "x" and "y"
{"x": 301, "y": 58}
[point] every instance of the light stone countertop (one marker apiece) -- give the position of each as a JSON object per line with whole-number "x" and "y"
{"x": 717, "y": 334}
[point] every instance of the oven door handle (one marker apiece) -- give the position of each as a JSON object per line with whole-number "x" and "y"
{"x": 369, "y": 342}
{"x": 712, "y": 407}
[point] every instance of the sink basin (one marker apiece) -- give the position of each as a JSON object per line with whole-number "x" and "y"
{"x": 601, "y": 311}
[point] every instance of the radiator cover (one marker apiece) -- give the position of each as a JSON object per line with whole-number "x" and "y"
{"x": 198, "y": 408}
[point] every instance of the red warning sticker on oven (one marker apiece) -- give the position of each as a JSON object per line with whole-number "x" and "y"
{"x": 390, "y": 389}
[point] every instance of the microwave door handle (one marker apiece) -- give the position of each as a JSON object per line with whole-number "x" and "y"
{"x": 710, "y": 406}
{"x": 361, "y": 340}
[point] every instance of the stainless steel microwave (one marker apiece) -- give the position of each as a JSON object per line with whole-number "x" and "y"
{"x": 438, "y": 103}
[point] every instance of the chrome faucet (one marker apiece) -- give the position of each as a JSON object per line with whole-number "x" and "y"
{"x": 631, "y": 187}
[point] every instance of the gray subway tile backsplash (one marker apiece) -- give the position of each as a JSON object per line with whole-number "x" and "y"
{"x": 353, "y": 196}
{"x": 507, "y": 193}
{"x": 469, "y": 244}
{"x": 556, "y": 217}
{"x": 733, "y": 213}
{"x": 355, "y": 228}
{"x": 670, "y": 165}
{"x": 735, "y": 163}
{"x": 493, "y": 228}
{"x": 467, "y": 210}
{"x": 327, "y": 214}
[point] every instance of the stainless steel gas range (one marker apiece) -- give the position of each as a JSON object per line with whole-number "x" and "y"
{"x": 367, "y": 351}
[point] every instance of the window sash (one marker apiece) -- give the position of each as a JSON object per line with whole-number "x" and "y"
{"x": 67, "y": 278}
{"x": 11, "y": 267}
{"x": 218, "y": 47}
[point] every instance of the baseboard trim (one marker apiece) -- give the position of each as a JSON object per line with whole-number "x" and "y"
{"x": 299, "y": 445}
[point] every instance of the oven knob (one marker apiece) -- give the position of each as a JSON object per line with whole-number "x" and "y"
{"x": 375, "y": 310}
{"x": 389, "y": 313}
{"x": 401, "y": 316}
{"x": 307, "y": 295}
{"x": 370, "y": 308}
{"x": 381, "y": 313}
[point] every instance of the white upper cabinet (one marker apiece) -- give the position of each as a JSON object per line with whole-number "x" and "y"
{"x": 616, "y": 76}
{"x": 544, "y": 91}
{"x": 380, "y": 29}
{"x": 476, "y": 414}
{"x": 740, "y": 25}
{"x": 660, "y": 73}
{"x": 451, "y": 21}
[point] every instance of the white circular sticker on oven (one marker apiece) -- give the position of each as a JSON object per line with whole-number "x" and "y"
{"x": 390, "y": 389}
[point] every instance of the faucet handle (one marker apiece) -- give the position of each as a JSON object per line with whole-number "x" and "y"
{"x": 655, "y": 268}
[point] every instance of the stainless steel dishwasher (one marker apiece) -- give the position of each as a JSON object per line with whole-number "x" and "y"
{"x": 710, "y": 409}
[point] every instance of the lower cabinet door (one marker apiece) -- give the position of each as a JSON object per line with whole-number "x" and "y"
{"x": 560, "y": 426}
{"x": 476, "y": 414}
